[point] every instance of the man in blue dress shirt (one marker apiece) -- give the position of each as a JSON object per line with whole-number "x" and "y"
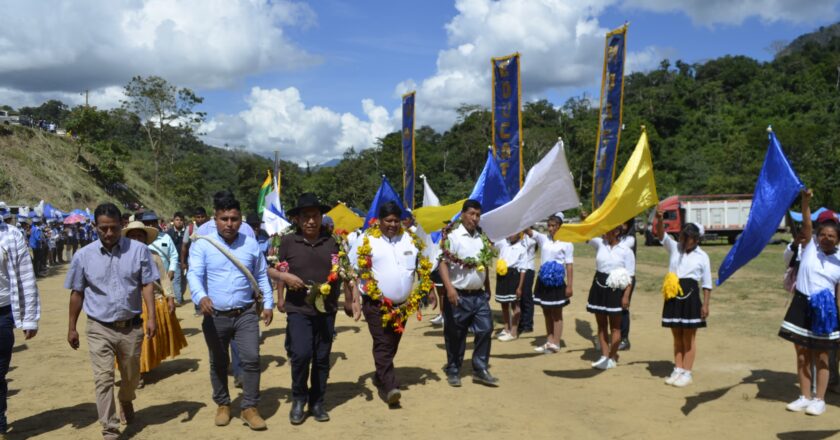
{"x": 227, "y": 300}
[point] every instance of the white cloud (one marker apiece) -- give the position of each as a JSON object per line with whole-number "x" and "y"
{"x": 733, "y": 12}
{"x": 279, "y": 120}
{"x": 63, "y": 46}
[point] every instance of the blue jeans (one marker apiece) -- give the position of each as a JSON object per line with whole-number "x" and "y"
{"x": 178, "y": 286}
{"x": 7, "y": 341}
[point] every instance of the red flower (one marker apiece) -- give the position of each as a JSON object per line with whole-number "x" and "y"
{"x": 372, "y": 222}
{"x": 368, "y": 261}
{"x": 332, "y": 277}
{"x": 387, "y": 302}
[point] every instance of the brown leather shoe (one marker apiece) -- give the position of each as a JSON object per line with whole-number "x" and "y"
{"x": 222, "y": 415}
{"x": 126, "y": 412}
{"x": 252, "y": 419}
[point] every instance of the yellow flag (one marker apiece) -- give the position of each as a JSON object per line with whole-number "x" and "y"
{"x": 432, "y": 218}
{"x": 633, "y": 192}
{"x": 344, "y": 218}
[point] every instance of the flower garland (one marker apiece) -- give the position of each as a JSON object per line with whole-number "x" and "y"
{"x": 392, "y": 315}
{"x": 479, "y": 263}
{"x": 340, "y": 267}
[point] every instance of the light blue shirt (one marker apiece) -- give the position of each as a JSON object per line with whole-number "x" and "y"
{"x": 212, "y": 274}
{"x": 165, "y": 248}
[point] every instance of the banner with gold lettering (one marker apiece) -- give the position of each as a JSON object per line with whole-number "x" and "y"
{"x": 408, "y": 149}
{"x": 609, "y": 121}
{"x": 507, "y": 120}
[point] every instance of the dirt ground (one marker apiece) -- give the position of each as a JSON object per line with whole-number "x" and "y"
{"x": 744, "y": 375}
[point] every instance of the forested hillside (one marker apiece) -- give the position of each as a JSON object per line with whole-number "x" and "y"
{"x": 707, "y": 125}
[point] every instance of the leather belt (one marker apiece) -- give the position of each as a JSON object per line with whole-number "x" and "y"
{"x": 232, "y": 313}
{"x": 127, "y": 323}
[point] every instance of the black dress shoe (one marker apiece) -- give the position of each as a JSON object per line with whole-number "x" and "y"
{"x": 297, "y": 415}
{"x": 484, "y": 377}
{"x": 454, "y": 380}
{"x": 319, "y": 413}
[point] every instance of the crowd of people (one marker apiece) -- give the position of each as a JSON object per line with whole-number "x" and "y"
{"x": 134, "y": 274}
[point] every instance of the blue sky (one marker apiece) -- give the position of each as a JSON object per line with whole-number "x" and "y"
{"x": 316, "y": 78}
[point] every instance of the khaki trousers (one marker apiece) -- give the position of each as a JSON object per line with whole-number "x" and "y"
{"x": 107, "y": 344}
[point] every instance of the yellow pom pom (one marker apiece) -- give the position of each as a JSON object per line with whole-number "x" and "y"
{"x": 501, "y": 267}
{"x": 325, "y": 289}
{"x": 671, "y": 286}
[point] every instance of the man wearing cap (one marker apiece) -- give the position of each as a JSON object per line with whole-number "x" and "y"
{"x": 109, "y": 278}
{"x": 463, "y": 269}
{"x": 228, "y": 301}
{"x": 20, "y": 306}
{"x": 163, "y": 245}
{"x": 304, "y": 262}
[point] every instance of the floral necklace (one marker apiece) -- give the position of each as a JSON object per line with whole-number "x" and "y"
{"x": 393, "y": 315}
{"x": 479, "y": 263}
{"x": 340, "y": 267}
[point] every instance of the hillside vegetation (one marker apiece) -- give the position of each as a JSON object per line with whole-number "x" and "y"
{"x": 707, "y": 125}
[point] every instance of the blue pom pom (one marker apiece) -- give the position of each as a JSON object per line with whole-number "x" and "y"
{"x": 552, "y": 274}
{"x": 823, "y": 312}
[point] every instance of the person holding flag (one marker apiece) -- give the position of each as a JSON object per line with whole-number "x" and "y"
{"x": 388, "y": 260}
{"x": 811, "y": 319}
{"x": 684, "y": 312}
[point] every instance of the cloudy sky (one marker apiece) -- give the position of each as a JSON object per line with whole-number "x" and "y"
{"x": 316, "y": 78}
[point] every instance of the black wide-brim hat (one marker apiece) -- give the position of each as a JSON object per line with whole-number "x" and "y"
{"x": 308, "y": 200}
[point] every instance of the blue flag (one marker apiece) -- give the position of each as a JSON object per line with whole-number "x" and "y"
{"x": 409, "y": 164}
{"x": 384, "y": 194}
{"x": 490, "y": 188}
{"x": 507, "y": 120}
{"x": 776, "y": 189}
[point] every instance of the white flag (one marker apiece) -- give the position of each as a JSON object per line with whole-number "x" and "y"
{"x": 273, "y": 215}
{"x": 549, "y": 187}
{"x": 429, "y": 197}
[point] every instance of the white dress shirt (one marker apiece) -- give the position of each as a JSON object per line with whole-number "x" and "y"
{"x": 18, "y": 288}
{"x": 817, "y": 271}
{"x": 531, "y": 252}
{"x": 694, "y": 265}
{"x": 554, "y": 250}
{"x": 609, "y": 258}
{"x": 394, "y": 262}
{"x": 465, "y": 245}
{"x": 514, "y": 254}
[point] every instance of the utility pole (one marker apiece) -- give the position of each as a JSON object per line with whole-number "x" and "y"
{"x": 86, "y": 97}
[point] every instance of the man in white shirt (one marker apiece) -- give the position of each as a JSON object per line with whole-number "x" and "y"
{"x": 464, "y": 265}
{"x": 394, "y": 259}
{"x": 20, "y": 305}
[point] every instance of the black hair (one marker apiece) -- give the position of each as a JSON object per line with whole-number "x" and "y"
{"x": 126, "y": 216}
{"x": 225, "y": 200}
{"x": 389, "y": 208}
{"x": 109, "y": 210}
{"x": 829, "y": 224}
{"x": 555, "y": 218}
{"x": 179, "y": 214}
{"x": 690, "y": 230}
{"x": 200, "y": 210}
{"x": 471, "y": 203}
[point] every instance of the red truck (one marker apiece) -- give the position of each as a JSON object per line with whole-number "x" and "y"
{"x": 722, "y": 215}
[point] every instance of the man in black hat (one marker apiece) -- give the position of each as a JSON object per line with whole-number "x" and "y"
{"x": 254, "y": 221}
{"x": 304, "y": 262}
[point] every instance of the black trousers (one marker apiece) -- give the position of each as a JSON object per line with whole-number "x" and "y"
{"x": 526, "y": 303}
{"x": 308, "y": 345}
{"x": 473, "y": 310}
{"x": 386, "y": 342}
{"x": 625, "y": 315}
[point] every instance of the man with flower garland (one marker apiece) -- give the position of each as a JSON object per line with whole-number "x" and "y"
{"x": 388, "y": 260}
{"x": 308, "y": 267}
{"x": 467, "y": 253}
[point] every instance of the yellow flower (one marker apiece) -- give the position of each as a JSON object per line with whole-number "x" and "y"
{"x": 325, "y": 289}
{"x": 501, "y": 267}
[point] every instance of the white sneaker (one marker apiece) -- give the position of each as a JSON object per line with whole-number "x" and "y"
{"x": 683, "y": 380}
{"x": 799, "y": 404}
{"x": 673, "y": 377}
{"x": 437, "y": 320}
{"x": 502, "y": 333}
{"x": 612, "y": 363}
{"x": 541, "y": 348}
{"x": 601, "y": 363}
{"x": 505, "y": 337}
{"x": 816, "y": 407}
{"x": 547, "y": 348}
